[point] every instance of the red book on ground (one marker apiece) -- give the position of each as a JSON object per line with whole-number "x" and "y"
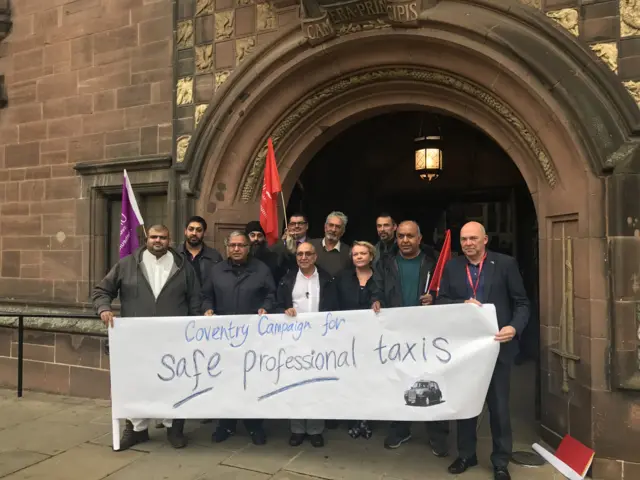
{"x": 575, "y": 454}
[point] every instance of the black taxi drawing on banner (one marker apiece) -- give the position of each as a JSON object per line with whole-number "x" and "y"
{"x": 423, "y": 393}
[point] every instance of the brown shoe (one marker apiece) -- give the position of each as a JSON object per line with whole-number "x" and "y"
{"x": 130, "y": 437}
{"x": 175, "y": 434}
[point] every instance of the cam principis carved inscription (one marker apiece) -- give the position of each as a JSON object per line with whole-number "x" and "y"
{"x": 324, "y": 19}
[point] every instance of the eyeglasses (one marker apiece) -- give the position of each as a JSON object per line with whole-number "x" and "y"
{"x": 305, "y": 254}
{"x": 237, "y": 245}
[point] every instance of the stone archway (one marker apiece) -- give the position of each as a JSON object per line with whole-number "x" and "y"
{"x": 564, "y": 119}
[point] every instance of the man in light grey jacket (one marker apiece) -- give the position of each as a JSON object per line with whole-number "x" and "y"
{"x": 154, "y": 281}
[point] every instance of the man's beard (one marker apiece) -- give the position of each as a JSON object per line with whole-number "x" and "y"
{"x": 257, "y": 247}
{"x": 194, "y": 241}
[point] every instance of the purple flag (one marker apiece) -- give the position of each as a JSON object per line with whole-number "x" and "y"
{"x": 130, "y": 219}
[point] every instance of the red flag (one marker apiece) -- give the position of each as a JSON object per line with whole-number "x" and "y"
{"x": 445, "y": 256}
{"x": 269, "y": 203}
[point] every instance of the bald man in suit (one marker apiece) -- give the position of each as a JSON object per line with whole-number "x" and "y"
{"x": 481, "y": 276}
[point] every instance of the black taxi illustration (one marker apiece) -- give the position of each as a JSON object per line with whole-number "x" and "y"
{"x": 423, "y": 393}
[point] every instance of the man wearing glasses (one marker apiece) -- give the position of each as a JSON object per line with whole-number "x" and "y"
{"x": 306, "y": 289}
{"x": 294, "y": 235}
{"x": 240, "y": 285}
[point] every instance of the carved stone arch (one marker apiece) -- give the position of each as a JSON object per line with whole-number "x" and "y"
{"x": 562, "y": 116}
{"x": 595, "y": 107}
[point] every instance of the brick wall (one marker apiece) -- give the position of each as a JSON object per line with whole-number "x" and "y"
{"x": 59, "y": 363}
{"x": 87, "y": 80}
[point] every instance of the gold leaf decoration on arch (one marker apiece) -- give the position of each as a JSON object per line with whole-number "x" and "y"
{"x": 434, "y": 77}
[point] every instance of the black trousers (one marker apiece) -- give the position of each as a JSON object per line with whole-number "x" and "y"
{"x": 499, "y": 420}
{"x": 251, "y": 424}
{"x": 438, "y": 432}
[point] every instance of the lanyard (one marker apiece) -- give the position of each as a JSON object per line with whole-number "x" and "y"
{"x": 475, "y": 287}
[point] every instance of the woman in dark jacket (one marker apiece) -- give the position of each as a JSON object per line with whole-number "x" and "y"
{"x": 353, "y": 292}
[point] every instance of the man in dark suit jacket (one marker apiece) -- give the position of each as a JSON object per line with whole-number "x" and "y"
{"x": 480, "y": 276}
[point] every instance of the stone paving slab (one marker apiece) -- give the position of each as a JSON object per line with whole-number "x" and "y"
{"x": 49, "y": 437}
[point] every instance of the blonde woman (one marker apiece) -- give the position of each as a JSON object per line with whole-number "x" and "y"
{"x": 353, "y": 292}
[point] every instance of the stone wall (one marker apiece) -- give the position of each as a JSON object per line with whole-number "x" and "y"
{"x": 86, "y": 80}
{"x": 62, "y": 363}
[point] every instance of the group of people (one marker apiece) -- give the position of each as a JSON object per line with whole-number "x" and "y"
{"x": 298, "y": 275}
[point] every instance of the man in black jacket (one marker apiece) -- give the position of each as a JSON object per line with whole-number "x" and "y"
{"x": 481, "y": 276}
{"x": 295, "y": 234}
{"x": 238, "y": 286}
{"x": 306, "y": 289}
{"x": 201, "y": 256}
{"x": 386, "y": 246}
{"x": 401, "y": 281}
{"x": 154, "y": 281}
{"x": 261, "y": 251}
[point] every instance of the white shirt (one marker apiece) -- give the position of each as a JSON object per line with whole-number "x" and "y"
{"x": 337, "y": 247}
{"x": 306, "y": 292}
{"x": 158, "y": 270}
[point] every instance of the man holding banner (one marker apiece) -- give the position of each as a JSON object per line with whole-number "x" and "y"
{"x": 478, "y": 277}
{"x": 401, "y": 280}
{"x": 307, "y": 289}
{"x": 240, "y": 285}
{"x": 154, "y": 281}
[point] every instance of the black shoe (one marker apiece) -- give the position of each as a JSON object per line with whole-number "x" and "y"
{"x": 461, "y": 465}
{"x": 221, "y": 434}
{"x": 316, "y": 440}
{"x": 259, "y": 437}
{"x": 440, "y": 450}
{"x": 501, "y": 473}
{"x": 296, "y": 439}
{"x": 130, "y": 437}
{"x": 175, "y": 434}
{"x": 395, "y": 439}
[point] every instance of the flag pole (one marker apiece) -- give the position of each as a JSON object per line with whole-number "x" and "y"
{"x": 284, "y": 208}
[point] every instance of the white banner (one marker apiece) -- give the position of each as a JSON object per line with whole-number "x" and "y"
{"x": 417, "y": 363}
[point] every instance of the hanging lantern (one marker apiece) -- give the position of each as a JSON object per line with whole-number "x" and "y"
{"x": 428, "y": 157}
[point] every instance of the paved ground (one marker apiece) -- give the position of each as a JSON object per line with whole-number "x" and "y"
{"x": 60, "y": 438}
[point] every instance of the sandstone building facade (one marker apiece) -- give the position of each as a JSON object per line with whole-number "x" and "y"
{"x": 185, "y": 94}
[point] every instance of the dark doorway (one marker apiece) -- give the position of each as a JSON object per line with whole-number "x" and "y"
{"x": 370, "y": 168}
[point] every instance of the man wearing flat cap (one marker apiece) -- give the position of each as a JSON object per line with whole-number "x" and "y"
{"x": 260, "y": 250}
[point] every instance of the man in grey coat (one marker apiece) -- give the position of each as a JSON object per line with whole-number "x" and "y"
{"x": 154, "y": 281}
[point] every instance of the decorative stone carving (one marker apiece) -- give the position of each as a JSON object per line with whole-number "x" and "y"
{"x": 321, "y": 19}
{"x": 265, "y": 17}
{"x": 204, "y": 58}
{"x": 182, "y": 143}
{"x": 358, "y": 27}
{"x": 403, "y": 12}
{"x": 568, "y": 18}
{"x": 629, "y": 17}
{"x": 184, "y": 34}
{"x": 200, "y": 109}
{"x": 242, "y": 3}
{"x": 608, "y": 53}
{"x": 221, "y": 77}
{"x": 204, "y": 7}
{"x": 244, "y": 48}
{"x": 224, "y": 25}
{"x": 634, "y": 90}
{"x": 532, "y": 3}
{"x": 184, "y": 91}
{"x": 434, "y": 77}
